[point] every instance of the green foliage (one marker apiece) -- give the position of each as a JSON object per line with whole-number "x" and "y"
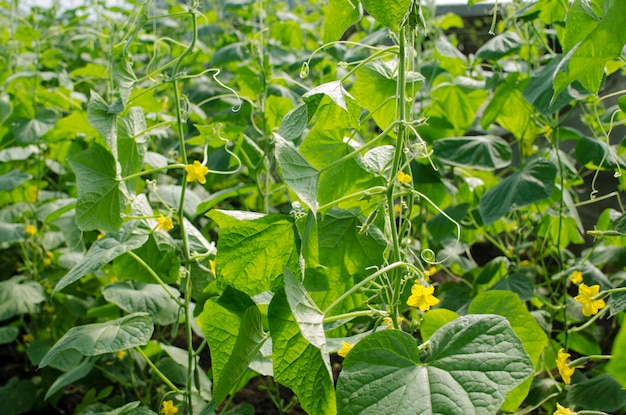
{"x": 424, "y": 202}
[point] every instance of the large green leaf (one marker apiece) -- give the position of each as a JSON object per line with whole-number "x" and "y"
{"x": 458, "y": 103}
{"x": 252, "y": 250}
{"x": 20, "y": 296}
{"x": 30, "y": 130}
{"x": 344, "y": 255}
{"x": 534, "y": 339}
{"x": 100, "y": 199}
{"x": 474, "y": 362}
{"x": 376, "y": 88}
{"x": 481, "y": 152}
{"x": 99, "y": 338}
{"x": 601, "y": 393}
{"x": 390, "y": 13}
{"x": 530, "y": 185}
{"x": 144, "y": 298}
{"x": 339, "y": 15}
{"x": 594, "y": 34}
{"x": 103, "y": 119}
{"x": 100, "y": 253}
{"x": 297, "y": 172}
{"x": 233, "y": 328}
{"x": 323, "y": 148}
{"x": 298, "y": 364}
{"x": 333, "y": 106}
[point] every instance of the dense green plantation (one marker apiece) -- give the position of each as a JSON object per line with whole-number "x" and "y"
{"x": 334, "y": 207}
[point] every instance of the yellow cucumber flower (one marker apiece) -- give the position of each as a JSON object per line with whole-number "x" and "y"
{"x": 422, "y": 297}
{"x": 429, "y": 272}
{"x": 165, "y": 223}
{"x": 345, "y": 349}
{"x": 404, "y": 178}
{"x": 576, "y": 277}
{"x": 561, "y": 364}
{"x": 30, "y": 229}
{"x": 586, "y": 298}
{"x": 561, "y": 410}
{"x": 196, "y": 171}
{"x": 169, "y": 408}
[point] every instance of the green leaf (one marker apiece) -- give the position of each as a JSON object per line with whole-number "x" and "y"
{"x": 592, "y": 38}
{"x": 322, "y": 149}
{"x": 99, "y": 338}
{"x": 441, "y": 227}
{"x": 333, "y": 106}
{"x": 601, "y": 393}
{"x": 390, "y": 13}
{"x": 20, "y": 296}
{"x": 294, "y": 123}
{"x": 534, "y": 339}
{"x": 17, "y": 396}
{"x": 100, "y": 199}
{"x": 298, "y": 174}
{"x": 622, "y": 103}
{"x": 132, "y": 142}
{"x": 67, "y": 378}
{"x": 434, "y": 320}
{"x": 159, "y": 252}
{"x": 508, "y": 95}
{"x": 298, "y": 364}
{"x": 18, "y": 153}
{"x": 457, "y": 103}
{"x": 101, "y": 252}
{"x": 339, "y": 15}
{"x": 344, "y": 255}
{"x": 592, "y": 153}
{"x": 124, "y": 79}
{"x": 144, "y": 298}
{"x": 481, "y": 152}
{"x": 252, "y": 250}
{"x": 30, "y": 130}
{"x": 375, "y": 89}
{"x": 530, "y": 185}
{"x": 8, "y": 334}
{"x": 233, "y": 328}
{"x": 306, "y": 313}
{"x": 13, "y": 179}
{"x": 11, "y": 233}
{"x": 617, "y": 365}
{"x": 474, "y": 362}
{"x": 500, "y": 46}
{"x": 102, "y": 120}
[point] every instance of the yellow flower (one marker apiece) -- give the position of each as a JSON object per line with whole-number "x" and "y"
{"x": 422, "y": 297}
{"x": 165, "y": 223}
{"x": 429, "y": 272}
{"x": 30, "y": 229}
{"x": 561, "y": 410}
{"x": 28, "y": 338}
{"x": 404, "y": 178}
{"x": 196, "y": 171}
{"x": 169, "y": 408}
{"x": 586, "y": 298}
{"x": 212, "y": 265}
{"x": 120, "y": 354}
{"x": 561, "y": 364}
{"x": 345, "y": 349}
{"x": 576, "y": 277}
{"x": 113, "y": 279}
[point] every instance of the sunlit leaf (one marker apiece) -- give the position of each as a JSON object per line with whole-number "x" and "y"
{"x": 482, "y": 152}
{"x": 339, "y": 15}
{"x": 479, "y": 355}
{"x": 144, "y": 298}
{"x": 20, "y": 296}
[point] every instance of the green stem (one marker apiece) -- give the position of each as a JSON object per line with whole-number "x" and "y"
{"x": 350, "y": 316}
{"x": 156, "y": 277}
{"x": 155, "y": 170}
{"x": 396, "y": 277}
{"x": 375, "y": 275}
{"x": 158, "y": 372}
